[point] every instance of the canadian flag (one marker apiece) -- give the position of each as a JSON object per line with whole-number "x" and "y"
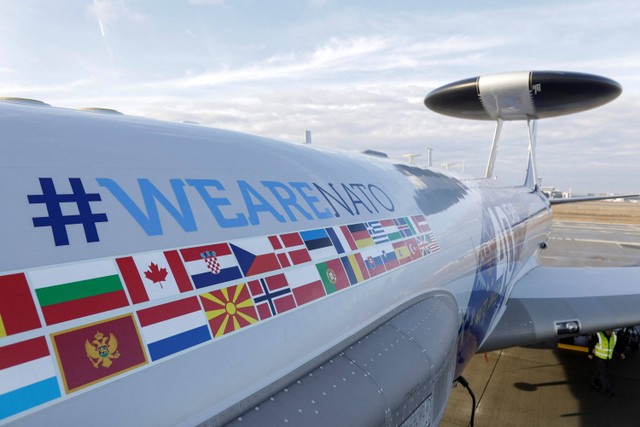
{"x": 154, "y": 275}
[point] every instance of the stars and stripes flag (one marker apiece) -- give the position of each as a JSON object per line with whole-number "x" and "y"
{"x": 434, "y": 246}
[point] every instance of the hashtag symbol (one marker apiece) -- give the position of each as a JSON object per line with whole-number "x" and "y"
{"x": 57, "y": 220}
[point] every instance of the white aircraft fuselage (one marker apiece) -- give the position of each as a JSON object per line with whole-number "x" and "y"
{"x": 89, "y": 194}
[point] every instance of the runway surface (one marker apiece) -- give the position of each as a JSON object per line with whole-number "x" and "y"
{"x": 547, "y": 386}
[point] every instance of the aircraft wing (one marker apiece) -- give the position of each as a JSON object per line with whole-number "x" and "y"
{"x": 589, "y": 199}
{"x": 556, "y": 302}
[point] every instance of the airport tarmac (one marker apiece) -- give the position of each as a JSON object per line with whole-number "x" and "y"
{"x": 545, "y": 385}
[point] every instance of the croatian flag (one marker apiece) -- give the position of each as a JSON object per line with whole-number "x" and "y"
{"x": 172, "y": 327}
{"x": 211, "y": 264}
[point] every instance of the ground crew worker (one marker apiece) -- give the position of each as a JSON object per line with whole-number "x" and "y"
{"x": 603, "y": 346}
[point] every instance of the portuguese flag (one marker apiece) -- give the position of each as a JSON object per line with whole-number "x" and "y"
{"x": 73, "y": 291}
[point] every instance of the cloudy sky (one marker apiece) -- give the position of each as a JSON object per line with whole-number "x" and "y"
{"x": 353, "y": 72}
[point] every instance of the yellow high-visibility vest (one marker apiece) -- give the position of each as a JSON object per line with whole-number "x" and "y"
{"x": 604, "y": 348}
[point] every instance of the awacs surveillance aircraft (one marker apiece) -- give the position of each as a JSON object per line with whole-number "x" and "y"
{"x": 158, "y": 273}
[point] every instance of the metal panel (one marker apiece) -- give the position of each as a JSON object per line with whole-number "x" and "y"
{"x": 380, "y": 379}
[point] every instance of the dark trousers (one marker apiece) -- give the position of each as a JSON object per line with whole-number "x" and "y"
{"x": 601, "y": 375}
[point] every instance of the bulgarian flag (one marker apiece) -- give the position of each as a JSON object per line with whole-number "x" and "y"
{"x": 72, "y": 291}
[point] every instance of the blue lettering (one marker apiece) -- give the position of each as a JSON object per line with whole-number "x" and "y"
{"x": 249, "y": 193}
{"x": 311, "y": 200}
{"x": 214, "y": 203}
{"x": 328, "y": 195}
{"x": 286, "y": 202}
{"x": 150, "y": 222}
{"x": 355, "y": 200}
{"x": 390, "y": 208}
{"x": 361, "y": 188}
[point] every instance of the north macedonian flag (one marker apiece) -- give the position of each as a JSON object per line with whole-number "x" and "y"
{"x": 95, "y": 352}
{"x": 78, "y": 290}
{"x": 229, "y": 309}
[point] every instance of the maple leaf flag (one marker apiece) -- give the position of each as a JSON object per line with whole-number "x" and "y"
{"x": 155, "y": 274}
{"x": 143, "y": 273}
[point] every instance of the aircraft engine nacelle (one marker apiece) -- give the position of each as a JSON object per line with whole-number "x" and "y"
{"x": 522, "y": 95}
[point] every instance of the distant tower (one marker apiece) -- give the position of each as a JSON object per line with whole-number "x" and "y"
{"x": 429, "y": 151}
{"x": 307, "y": 137}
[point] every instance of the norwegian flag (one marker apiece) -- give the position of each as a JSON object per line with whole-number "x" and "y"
{"x": 271, "y": 295}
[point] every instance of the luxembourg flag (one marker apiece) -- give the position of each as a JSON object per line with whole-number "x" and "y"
{"x": 173, "y": 327}
{"x": 154, "y": 275}
{"x": 27, "y": 376}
